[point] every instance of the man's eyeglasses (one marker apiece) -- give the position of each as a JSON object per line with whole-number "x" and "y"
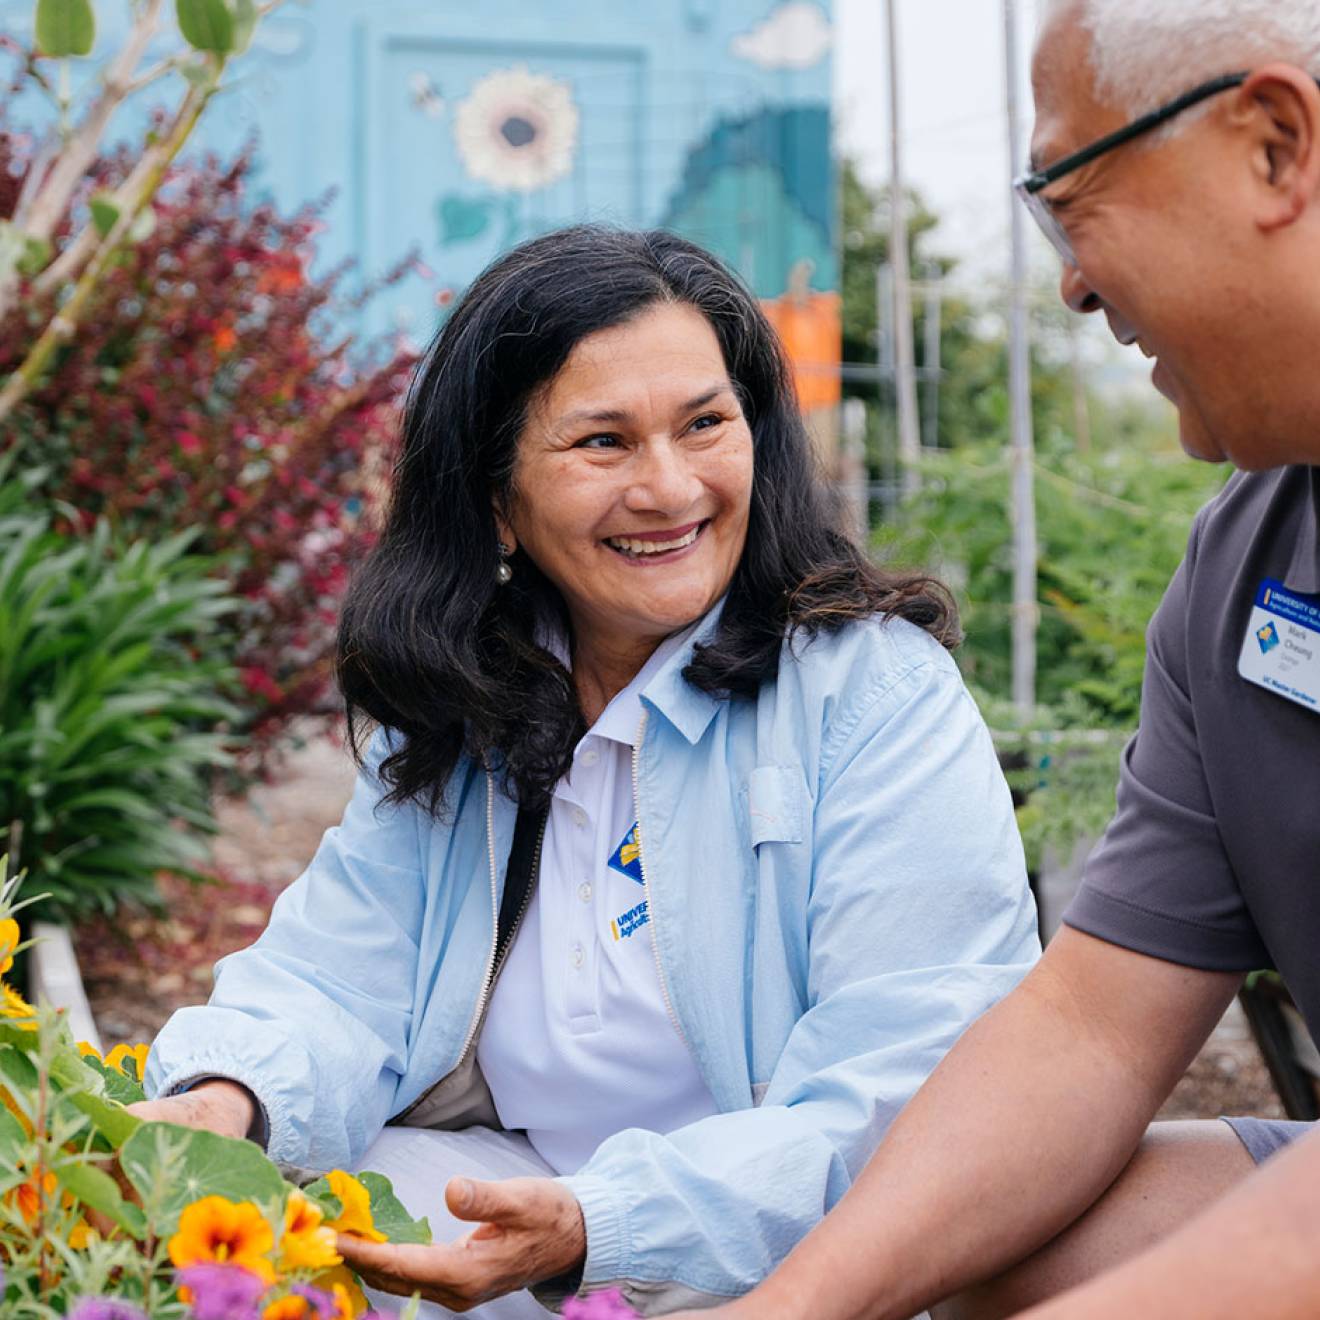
{"x": 1030, "y": 185}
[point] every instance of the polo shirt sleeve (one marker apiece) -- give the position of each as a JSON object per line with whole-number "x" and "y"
{"x": 1160, "y": 881}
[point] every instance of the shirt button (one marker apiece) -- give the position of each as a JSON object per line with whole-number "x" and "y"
{"x": 579, "y": 818}
{"x": 589, "y": 757}
{"x": 584, "y": 892}
{"x": 579, "y": 955}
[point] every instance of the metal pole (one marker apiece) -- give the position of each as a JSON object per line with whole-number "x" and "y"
{"x": 1025, "y": 613}
{"x": 930, "y": 412}
{"x": 905, "y": 379}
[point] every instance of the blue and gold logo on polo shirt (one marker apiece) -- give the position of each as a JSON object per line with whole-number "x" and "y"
{"x": 627, "y": 857}
{"x": 627, "y": 860}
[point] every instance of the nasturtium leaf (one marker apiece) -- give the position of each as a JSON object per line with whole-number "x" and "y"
{"x": 65, "y": 27}
{"x": 111, "y": 1120}
{"x": 170, "y": 1167}
{"x": 105, "y": 212}
{"x": 206, "y": 24}
{"x": 388, "y": 1214}
{"x": 98, "y": 1191}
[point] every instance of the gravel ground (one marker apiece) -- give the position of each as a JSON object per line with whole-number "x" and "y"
{"x": 140, "y": 968}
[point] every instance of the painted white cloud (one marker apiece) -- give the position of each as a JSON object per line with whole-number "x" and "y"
{"x": 796, "y": 35}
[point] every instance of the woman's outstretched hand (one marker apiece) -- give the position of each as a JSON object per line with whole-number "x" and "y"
{"x": 528, "y": 1229}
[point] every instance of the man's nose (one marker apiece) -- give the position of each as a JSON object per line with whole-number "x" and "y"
{"x": 1076, "y": 292}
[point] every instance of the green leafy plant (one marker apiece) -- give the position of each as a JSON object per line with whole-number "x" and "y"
{"x": 112, "y": 710}
{"x": 170, "y": 1222}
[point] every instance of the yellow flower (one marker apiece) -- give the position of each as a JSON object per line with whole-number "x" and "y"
{"x": 342, "y": 1284}
{"x": 32, "y": 1197}
{"x": 308, "y": 1243}
{"x": 224, "y": 1232}
{"x": 138, "y": 1053}
{"x": 294, "y": 1307}
{"x": 8, "y": 942}
{"x": 15, "y": 1006}
{"x": 355, "y": 1217}
{"x": 87, "y": 1050}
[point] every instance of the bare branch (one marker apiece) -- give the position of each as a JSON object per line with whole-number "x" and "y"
{"x": 64, "y": 323}
{"x": 151, "y": 75}
{"x": 80, "y": 149}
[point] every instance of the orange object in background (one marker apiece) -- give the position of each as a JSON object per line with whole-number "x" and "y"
{"x": 810, "y": 325}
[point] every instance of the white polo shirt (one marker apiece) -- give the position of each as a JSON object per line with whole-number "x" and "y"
{"x": 578, "y": 1043}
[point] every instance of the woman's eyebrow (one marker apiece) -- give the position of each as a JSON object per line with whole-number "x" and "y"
{"x": 623, "y": 415}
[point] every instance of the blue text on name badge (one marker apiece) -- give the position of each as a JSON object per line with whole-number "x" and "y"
{"x": 1276, "y": 598}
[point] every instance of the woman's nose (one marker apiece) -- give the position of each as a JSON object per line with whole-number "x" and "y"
{"x": 1076, "y": 292}
{"x": 664, "y": 480}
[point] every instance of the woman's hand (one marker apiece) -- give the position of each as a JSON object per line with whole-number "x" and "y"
{"x": 528, "y": 1229}
{"x": 216, "y": 1106}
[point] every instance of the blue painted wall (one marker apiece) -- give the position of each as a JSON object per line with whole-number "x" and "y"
{"x": 455, "y": 129}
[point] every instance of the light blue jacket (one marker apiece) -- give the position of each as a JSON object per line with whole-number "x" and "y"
{"x": 836, "y": 890}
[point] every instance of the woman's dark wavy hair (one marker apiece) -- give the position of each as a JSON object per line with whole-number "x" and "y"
{"x": 432, "y": 647}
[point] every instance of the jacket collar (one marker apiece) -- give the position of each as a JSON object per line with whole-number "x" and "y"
{"x": 1304, "y": 571}
{"x": 687, "y": 708}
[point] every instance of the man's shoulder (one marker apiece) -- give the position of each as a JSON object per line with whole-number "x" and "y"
{"x": 1238, "y": 516}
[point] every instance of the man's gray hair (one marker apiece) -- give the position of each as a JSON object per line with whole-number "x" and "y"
{"x": 1146, "y": 52}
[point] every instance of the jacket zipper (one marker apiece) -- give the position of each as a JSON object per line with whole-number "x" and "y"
{"x": 646, "y": 886}
{"x": 497, "y": 956}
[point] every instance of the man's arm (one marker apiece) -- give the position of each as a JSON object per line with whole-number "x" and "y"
{"x": 1252, "y": 1253}
{"x": 1029, "y": 1118}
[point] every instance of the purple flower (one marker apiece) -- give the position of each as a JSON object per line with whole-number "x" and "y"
{"x": 220, "y": 1292}
{"x": 105, "y": 1308}
{"x": 606, "y": 1305}
{"x": 322, "y": 1302}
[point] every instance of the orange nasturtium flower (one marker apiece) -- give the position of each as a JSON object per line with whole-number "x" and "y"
{"x": 218, "y": 1231}
{"x": 355, "y": 1217}
{"x": 138, "y": 1053}
{"x": 32, "y": 1196}
{"x": 294, "y": 1307}
{"x": 308, "y": 1243}
{"x": 8, "y": 942}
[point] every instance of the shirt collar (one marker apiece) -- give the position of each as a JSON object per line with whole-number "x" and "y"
{"x": 1304, "y": 571}
{"x": 659, "y": 683}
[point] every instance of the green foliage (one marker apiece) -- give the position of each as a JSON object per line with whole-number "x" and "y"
{"x": 1111, "y": 528}
{"x": 105, "y": 212}
{"x": 65, "y": 27}
{"x": 207, "y": 24}
{"x": 1112, "y": 525}
{"x": 68, "y": 1150}
{"x": 111, "y": 712}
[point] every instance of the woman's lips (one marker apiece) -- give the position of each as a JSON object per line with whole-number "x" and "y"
{"x": 657, "y": 547}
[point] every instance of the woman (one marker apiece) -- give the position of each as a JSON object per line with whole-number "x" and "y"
{"x": 610, "y": 639}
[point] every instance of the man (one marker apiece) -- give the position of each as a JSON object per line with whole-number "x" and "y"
{"x": 1198, "y": 235}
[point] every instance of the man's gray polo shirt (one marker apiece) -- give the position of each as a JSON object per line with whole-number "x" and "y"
{"x": 1213, "y": 857}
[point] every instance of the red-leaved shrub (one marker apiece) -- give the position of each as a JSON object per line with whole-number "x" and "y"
{"x": 212, "y": 385}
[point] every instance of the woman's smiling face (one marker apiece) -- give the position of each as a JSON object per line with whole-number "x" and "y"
{"x": 633, "y": 478}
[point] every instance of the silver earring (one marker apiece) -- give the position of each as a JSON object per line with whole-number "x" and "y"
{"x": 503, "y": 573}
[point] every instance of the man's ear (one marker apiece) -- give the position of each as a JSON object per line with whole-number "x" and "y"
{"x": 1280, "y": 105}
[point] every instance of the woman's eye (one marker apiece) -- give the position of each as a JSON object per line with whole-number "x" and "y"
{"x": 706, "y": 422}
{"x": 598, "y": 442}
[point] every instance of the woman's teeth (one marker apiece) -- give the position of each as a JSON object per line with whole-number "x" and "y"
{"x": 632, "y": 547}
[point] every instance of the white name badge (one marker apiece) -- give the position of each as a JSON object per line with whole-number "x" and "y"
{"x": 1281, "y": 650}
